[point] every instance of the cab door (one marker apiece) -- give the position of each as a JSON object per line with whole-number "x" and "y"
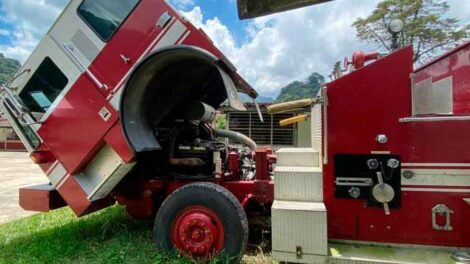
{"x": 128, "y": 28}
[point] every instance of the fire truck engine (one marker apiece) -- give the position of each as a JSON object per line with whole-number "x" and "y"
{"x": 117, "y": 103}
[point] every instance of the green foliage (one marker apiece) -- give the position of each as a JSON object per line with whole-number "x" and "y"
{"x": 221, "y": 122}
{"x": 301, "y": 90}
{"x": 8, "y": 68}
{"x": 426, "y": 27}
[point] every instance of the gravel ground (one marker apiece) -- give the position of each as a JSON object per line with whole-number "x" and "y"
{"x": 16, "y": 171}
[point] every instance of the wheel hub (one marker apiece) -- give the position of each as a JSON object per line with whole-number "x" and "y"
{"x": 198, "y": 231}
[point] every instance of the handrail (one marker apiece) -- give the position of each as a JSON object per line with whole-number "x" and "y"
{"x": 69, "y": 48}
{"x": 10, "y": 95}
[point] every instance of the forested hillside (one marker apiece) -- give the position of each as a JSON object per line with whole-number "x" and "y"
{"x": 8, "y": 68}
{"x": 300, "y": 90}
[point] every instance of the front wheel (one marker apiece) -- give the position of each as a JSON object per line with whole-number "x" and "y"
{"x": 202, "y": 220}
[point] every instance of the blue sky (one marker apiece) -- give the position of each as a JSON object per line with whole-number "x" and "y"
{"x": 226, "y": 12}
{"x": 269, "y": 52}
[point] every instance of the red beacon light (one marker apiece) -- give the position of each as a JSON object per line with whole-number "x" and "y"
{"x": 41, "y": 157}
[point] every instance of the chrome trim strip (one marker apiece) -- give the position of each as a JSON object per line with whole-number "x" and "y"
{"x": 439, "y": 190}
{"x": 435, "y": 165}
{"x": 434, "y": 119}
{"x": 325, "y": 124}
{"x": 354, "y": 181}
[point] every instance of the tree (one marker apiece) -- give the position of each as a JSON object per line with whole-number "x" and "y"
{"x": 425, "y": 26}
{"x": 301, "y": 90}
{"x": 8, "y": 68}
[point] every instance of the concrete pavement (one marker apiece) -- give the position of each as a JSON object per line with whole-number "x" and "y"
{"x": 16, "y": 170}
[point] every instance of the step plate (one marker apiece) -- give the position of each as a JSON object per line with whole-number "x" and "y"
{"x": 298, "y": 157}
{"x": 298, "y": 184}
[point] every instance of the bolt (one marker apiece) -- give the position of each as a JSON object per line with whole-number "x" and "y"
{"x": 382, "y": 139}
{"x": 408, "y": 174}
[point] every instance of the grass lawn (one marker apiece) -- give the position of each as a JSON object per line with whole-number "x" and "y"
{"x": 108, "y": 236}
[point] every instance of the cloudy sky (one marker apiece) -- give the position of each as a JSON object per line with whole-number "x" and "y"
{"x": 270, "y": 52}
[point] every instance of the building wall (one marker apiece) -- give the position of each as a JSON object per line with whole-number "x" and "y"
{"x": 9, "y": 140}
{"x": 269, "y": 132}
{"x": 304, "y": 134}
{"x": 4, "y": 133}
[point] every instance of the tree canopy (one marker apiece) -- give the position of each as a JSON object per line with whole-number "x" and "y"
{"x": 8, "y": 68}
{"x": 426, "y": 26}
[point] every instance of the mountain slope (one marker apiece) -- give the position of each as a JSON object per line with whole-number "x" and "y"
{"x": 8, "y": 68}
{"x": 300, "y": 90}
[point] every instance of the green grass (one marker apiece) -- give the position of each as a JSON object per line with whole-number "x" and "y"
{"x": 108, "y": 236}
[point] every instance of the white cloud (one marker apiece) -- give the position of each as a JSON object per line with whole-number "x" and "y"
{"x": 460, "y": 9}
{"x": 30, "y": 20}
{"x": 289, "y": 46}
{"x": 277, "y": 50}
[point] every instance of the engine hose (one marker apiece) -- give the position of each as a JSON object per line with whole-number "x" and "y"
{"x": 239, "y": 137}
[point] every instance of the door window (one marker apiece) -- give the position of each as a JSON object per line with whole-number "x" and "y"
{"x": 44, "y": 87}
{"x": 105, "y": 16}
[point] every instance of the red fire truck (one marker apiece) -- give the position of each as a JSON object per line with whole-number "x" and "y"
{"x": 117, "y": 102}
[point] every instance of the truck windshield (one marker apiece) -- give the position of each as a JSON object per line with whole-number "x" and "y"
{"x": 105, "y": 16}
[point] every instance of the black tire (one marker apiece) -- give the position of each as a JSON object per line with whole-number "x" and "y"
{"x": 213, "y": 197}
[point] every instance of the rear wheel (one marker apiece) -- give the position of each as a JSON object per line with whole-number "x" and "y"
{"x": 202, "y": 220}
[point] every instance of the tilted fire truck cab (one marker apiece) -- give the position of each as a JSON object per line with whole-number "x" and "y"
{"x": 117, "y": 103}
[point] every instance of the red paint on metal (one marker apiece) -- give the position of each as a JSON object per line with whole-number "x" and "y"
{"x": 262, "y": 166}
{"x": 131, "y": 40}
{"x": 198, "y": 231}
{"x": 115, "y": 138}
{"x": 140, "y": 207}
{"x": 76, "y": 198}
{"x": 360, "y": 58}
{"x": 368, "y": 102}
{"x": 75, "y": 130}
{"x": 233, "y": 160}
{"x": 40, "y": 198}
